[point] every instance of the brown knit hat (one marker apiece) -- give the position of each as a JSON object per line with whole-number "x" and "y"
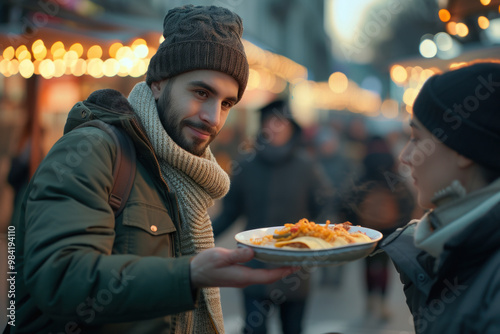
{"x": 200, "y": 38}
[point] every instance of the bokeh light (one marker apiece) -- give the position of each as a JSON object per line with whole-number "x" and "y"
{"x": 338, "y": 82}
{"x": 9, "y": 53}
{"x": 20, "y": 50}
{"x": 77, "y": 48}
{"x": 483, "y": 22}
{"x": 444, "y": 15}
{"x": 114, "y": 48}
{"x": 94, "y": 51}
{"x": 428, "y": 48}
{"x": 462, "y": 29}
{"x": 443, "y": 41}
{"x": 398, "y": 74}
{"x": 56, "y": 46}
{"x": 451, "y": 28}
{"x": 26, "y": 68}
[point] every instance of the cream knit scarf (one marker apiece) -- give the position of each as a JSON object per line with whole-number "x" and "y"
{"x": 196, "y": 181}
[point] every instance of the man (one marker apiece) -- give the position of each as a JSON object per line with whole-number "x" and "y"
{"x": 151, "y": 269}
{"x": 275, "y": 185}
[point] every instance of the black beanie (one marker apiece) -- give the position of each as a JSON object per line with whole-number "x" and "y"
{"x": 462, "y": 109}
{"x": 278, "y": 108}
{"x": 200, "y": 38}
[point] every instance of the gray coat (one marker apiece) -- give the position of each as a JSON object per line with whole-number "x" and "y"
{"x": 462, "y": 295}
{"x": 270, "y": 188}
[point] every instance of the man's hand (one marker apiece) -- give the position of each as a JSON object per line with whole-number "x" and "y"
{"x": 218, "y": 267}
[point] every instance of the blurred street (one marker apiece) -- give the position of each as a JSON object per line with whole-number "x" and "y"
{"x": 331, "y": 309}
{"x": 313, "y": 118}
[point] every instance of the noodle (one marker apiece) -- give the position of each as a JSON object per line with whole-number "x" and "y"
{"x": 334, "y": 235}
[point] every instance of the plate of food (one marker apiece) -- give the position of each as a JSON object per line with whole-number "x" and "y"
{"x": 306, "y": 243}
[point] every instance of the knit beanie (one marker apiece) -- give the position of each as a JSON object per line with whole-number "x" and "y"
{"x": 200, "y": 38}
{"x": 462, "y": 109}
{"x": 280, "y": 109}
{"x": 379, "y": 158}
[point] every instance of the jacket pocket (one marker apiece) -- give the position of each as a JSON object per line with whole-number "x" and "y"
{"x": 145, "y": 230}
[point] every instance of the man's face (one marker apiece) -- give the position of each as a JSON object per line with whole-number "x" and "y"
{"x": 194, "y": 106}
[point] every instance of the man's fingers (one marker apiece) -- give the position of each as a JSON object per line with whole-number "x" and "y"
{"x": 266, "y": 276}
{"x": 241, "y": 255}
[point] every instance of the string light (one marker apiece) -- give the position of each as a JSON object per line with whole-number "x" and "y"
{"x": 483, "y": 22}
{"x": 47, "y": 68}
{"x": 9, "y": 53}
{"x": 37, "y": 46}
{"x": 451, "y": 28}
{"x": 59, "y": 68}
{"x": 94, "y": 51}
{"x": 39, "y": 51}
{"x": 77, "y": 48}
{"x": 79, "y": 68}
{"x": 268, "y": 71}
{"x": 23, "y": 55}
{"x": 13, "y": 67}
{"x": 111, "y": 67}
{"x": 26, "y": 68}
{"x": 56, "y": 46}
{"x": 114, "y": 48}
{"x": 133, "y": 60}
{"x": 398, "y": 74}
{"x": 462, "y": 29}
{"x": 20, "y": 50}
{"x": 444, "y": 15}
{"x": 338, "y": 82}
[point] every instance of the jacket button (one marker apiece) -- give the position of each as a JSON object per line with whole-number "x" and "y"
{"x": 84, "y": 114}
{"x": 421, "y": 277}
{"x": 154, "y": 228}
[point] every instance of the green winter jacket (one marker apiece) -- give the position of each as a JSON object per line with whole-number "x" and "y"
{"x": 78, "y": 269}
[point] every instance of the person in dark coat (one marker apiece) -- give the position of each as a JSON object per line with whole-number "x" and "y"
{"x": 449, "y": 260}
{"x": 275, "y": 184}
{"x": 380, "y": 201}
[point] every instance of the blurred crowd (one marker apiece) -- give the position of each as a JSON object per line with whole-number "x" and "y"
{"x": 338, "y": 171}
{"x": 346, "y": 173}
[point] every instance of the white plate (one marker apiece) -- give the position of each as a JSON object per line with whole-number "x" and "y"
{"x": 308, "y": 257}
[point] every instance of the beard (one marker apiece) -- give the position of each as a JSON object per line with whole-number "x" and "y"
{"x": 170, "y": 117}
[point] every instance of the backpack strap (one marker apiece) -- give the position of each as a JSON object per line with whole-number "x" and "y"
{"x": 124, "y": 167}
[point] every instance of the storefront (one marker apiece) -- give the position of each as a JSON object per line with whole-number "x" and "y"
{"x": 470, "y": 33}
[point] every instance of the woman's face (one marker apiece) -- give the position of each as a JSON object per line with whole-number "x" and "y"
{"x": 433, "y": 165}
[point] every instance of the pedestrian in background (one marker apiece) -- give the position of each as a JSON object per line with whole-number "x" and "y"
{"x": 381, "y": 201}
{"x": 342, "y": 173}
{"x": 277, "y": 183}
{"x": 449, "y": 259}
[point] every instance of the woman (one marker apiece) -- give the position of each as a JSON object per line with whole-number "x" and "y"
{"x": 449, "y": 260}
